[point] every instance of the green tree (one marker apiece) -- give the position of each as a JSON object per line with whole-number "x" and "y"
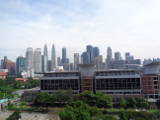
{"x": 123, "y": 115}
{"x": 122, "y": 103}
{"x": 14, "y": 116}
{"x": 99, "y": 99}
{"x": 131, "y": 102}
{"x": 77, "y": 111}
{"x": 142, "y": 103}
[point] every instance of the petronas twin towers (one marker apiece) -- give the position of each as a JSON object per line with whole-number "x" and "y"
{"x": 53, "y": 58}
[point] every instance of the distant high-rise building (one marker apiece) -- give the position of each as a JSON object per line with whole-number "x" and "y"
{"x": 64, "y": 56}
{"x": 99, "y": 62}
{"x": 9, "y": 65}
{"x": 95, "y": 51}
{"x": 117, "y": 56}
{"x": 109, "y": 58}
{"x": 85, "y": 58}
{"x": 76, "y": 61}
{"x": 53, "y": 58}
{"x": 49, "y": 65}
{"x": 1, "y": 64}
{"x": 90, "y": 54}
{"x": 59, "y": 61}
{"x": 127, "y": 55}
{"x": 45, "y": 59}
{"x": 37, "y": 58}
{"x": 20, "y": 65}
{"x": 29, "y": 62}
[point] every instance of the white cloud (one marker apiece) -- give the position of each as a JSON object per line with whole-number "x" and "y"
{"x": 124, "y": 25}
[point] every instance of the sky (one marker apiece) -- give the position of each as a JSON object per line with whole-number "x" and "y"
{"x": 125, "y": 25}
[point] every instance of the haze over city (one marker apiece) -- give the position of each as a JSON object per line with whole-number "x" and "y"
{"x": 126, "y": 26}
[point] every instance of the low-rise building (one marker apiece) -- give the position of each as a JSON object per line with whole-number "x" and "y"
{"x": 53, "y": 81}
{"x": 151, "y": 81}
{"x": 3, "y": 75}
{"x": 118, "y": 82}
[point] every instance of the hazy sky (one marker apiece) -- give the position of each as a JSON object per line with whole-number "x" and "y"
{"x": 125, "y": 25}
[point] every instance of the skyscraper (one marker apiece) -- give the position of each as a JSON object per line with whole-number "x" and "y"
{"x": 95, "y": 52}
{"x": 99, "y": 62}
{"x": 90, "y": 54}
{"x": 20, "y": 65}
{"x": 127, "y": 55}
{"x": 117, "y": 56}
{"x": 109, "y": 58}
{"x": 59, "y": 61}
{"x": 9, "y": 65}
{"x": 37, "y": 58}
{"x": 45, "y": 59}
{"x": 76, "y": 61}
{"x": 85, "y": 58}
{"x": 64, "y": 56}
{"x": 29, "y": 62}
{"x": 53, "y": 58}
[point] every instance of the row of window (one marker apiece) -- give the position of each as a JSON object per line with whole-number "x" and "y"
{"x": 62, "y": 75}
{"x": 59, "y": 84}
{"x": 116, "y": 73}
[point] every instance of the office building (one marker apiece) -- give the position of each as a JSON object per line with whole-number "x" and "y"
{"x": 99, "y": 63}
{"x": 85, "y": 58}
{"x": 151, "y": 81}
{"x": 76, "y": 61}
{"x": 90, "y": 54}
{"x": 29, "y": 62}
{"x": 9, "y": 65}
{"x": 64, "y": 56}
{"x": 118, "y": 82}
{"x": 37, "y": 59}
{"x": 109, "y": 58}
{"x": 59, "y": 61}
{"x": 96, "y": 52}
{"x": 20, "y": 65}
{"x": 45, "y": 59}
{"x": 53, "y": 81}
{"x": 117, "y": 56}
{"x": 53, "y": 58}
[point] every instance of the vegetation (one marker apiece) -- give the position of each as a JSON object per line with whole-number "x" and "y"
{"x": 98, "y": 99}
{"x": 58, "y": 98}
{"x": 8, "y": 86}
{"x": 79, "y": 111}
{"x": 5, "y": 90}
{"x": 14, "y": 116}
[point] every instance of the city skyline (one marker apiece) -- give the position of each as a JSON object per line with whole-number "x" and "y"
{"x": 49, "y": 51}
{"x": 126, "y": 26}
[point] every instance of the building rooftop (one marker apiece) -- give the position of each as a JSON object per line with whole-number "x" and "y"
{"x": 153, "y": 63}
{"x": 108, "y": 70}
{"x": 3, "y": 74}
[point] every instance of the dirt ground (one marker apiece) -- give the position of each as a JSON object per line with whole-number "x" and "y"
{"x": 31, "y": 116}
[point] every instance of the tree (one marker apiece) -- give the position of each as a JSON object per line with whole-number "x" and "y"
{"x": 122, "y": 103}
{"x": 142, "y": 103}
{"x": 14, "y": 116}
{"x": 131, "y": 103}
{"x": 99, "y": 99}
{"x": 76, "y": 111}
{"x": 123, "y": 115}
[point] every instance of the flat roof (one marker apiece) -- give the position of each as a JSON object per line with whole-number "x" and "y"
{"x": 153, "y": 63}
{"x": 114, "y": 70}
